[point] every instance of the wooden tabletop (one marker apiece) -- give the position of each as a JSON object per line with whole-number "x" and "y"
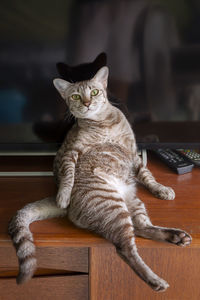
{"x": 15, "y": 192}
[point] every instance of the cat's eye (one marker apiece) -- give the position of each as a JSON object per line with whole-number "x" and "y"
{"x": 76, "y": 97}
{"x": 94, "y": 92}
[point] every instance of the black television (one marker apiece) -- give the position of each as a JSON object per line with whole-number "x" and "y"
{"x": 153, "y": 52}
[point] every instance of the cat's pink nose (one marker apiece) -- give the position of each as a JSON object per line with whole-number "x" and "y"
{"x": 87, "y": 103}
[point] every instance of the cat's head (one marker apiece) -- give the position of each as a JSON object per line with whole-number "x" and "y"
{"x": 83, "y": 71}
{"x": 85, "y": 99}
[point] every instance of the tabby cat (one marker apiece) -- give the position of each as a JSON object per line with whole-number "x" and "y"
{"x": 96, "y": 170}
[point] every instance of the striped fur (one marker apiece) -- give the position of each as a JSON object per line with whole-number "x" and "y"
{"x": 96, "y": 169}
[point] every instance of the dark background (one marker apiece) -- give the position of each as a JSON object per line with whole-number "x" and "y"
{"x": 153, "y": 50}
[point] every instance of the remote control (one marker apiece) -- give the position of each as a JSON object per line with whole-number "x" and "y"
{"x": 191, "y": 155}
{"x": 174, "y": 160}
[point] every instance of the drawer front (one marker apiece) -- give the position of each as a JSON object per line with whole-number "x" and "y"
{"x": 61, "y": 258}
{"x": 51, "y": 288}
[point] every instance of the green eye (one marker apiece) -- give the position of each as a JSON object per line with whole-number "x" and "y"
{"x": 94, "y": 92}
{"x": 76, "y": 97}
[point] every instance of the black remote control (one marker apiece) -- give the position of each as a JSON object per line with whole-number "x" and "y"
{"x": 191, "y": 155}
{"x": 174, "y": 160}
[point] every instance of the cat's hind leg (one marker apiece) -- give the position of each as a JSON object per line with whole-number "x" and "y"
{"x": 106, "y": 213}
{"x": 171, "y": 235}
{"x": 144, "y": 228}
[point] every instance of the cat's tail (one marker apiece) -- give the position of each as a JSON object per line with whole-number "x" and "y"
{"x": 22, "y": 237}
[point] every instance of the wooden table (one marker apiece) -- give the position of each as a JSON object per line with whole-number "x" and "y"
{"x": 77, "y": 264}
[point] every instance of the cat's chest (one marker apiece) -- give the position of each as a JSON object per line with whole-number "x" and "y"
{"x": 84, "y": 139}
{"x": 108, "y": 146}
{"x": 112, "y": 135}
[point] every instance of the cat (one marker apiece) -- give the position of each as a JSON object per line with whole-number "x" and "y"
{"x": 96, "y": 170}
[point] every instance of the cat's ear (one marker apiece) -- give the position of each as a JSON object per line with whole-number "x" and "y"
{"x": 61, "y": 85}
{"x": 102, "y": 76}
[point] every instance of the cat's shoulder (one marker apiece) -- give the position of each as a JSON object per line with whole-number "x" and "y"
{"x": 120, "y": 116}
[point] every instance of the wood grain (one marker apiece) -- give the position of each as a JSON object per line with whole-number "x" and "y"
{"x": 112, "y": 279}
{"x": 51, "y": 288}
{"x": 60, "y": 258}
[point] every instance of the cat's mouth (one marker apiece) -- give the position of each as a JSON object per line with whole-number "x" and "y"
{"x": 83, "y": 112}
{"x": 89, "y": 108}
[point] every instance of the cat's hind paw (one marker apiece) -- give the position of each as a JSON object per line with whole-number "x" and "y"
{"x": 158, "y": 284}
{"x": 179, "y": 237}
{"x": 163, "y": 192}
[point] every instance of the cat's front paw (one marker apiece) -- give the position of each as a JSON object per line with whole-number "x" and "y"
{"x": 164, "y": 192}
{"x": 63, "y": 198}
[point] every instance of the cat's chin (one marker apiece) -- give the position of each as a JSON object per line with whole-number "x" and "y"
{"x": 86, "y": 115}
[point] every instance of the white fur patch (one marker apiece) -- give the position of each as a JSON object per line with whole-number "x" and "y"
{"x": 125, "y": 190}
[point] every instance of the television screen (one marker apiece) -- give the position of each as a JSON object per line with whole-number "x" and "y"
{"x": 153, "y": 53}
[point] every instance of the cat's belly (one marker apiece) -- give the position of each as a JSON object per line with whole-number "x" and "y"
{"x": 111, "y": 159}
{"x": 97, "y": 188}
{"x": 101, "y": 174}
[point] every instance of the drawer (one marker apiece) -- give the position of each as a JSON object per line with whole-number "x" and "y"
{"x": 49, "y": 287}
{"x": 59, "y": 258}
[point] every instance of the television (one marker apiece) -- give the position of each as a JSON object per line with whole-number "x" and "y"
{"x": 153, "y": 54}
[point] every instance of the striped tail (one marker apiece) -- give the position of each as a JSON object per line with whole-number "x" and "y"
{"x": 22, "y": 237}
